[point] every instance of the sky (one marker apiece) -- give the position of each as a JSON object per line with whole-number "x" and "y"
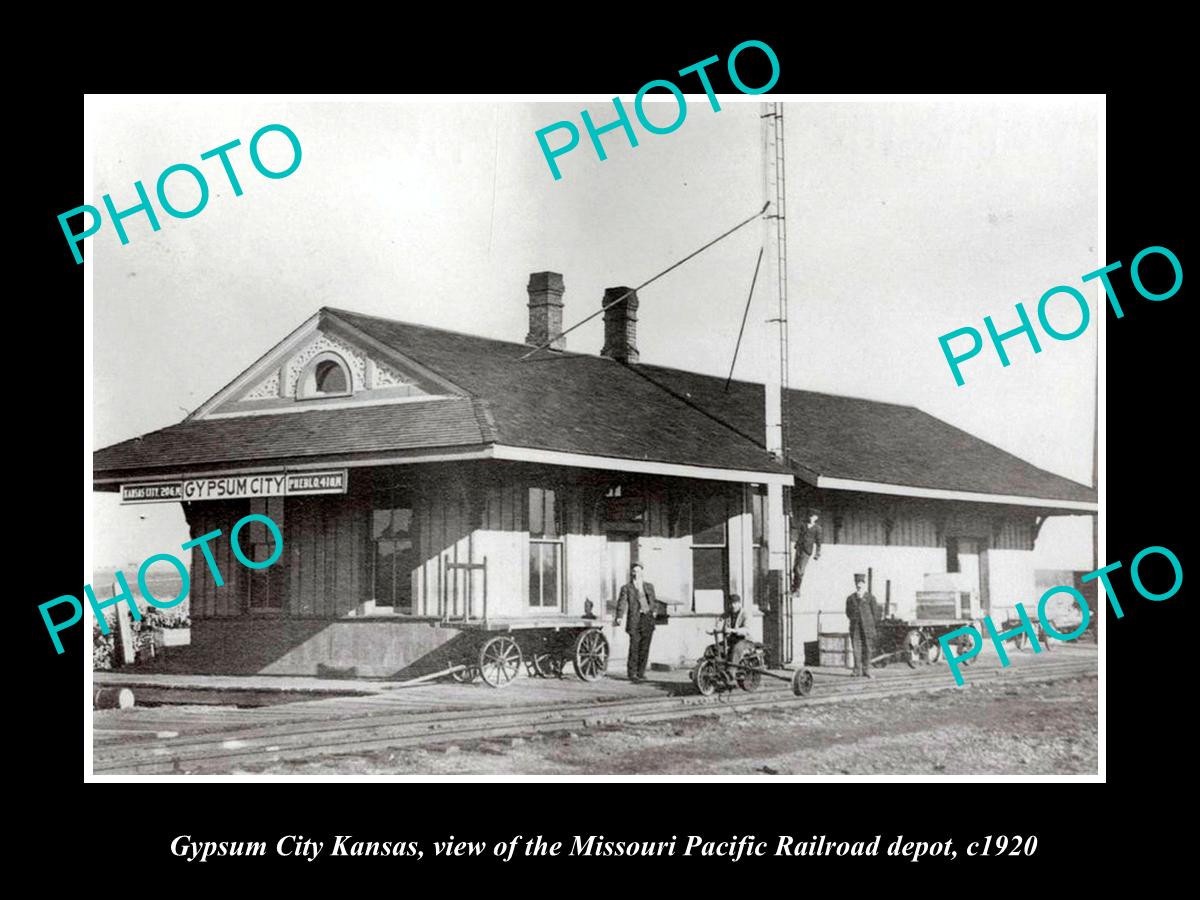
{"x": 905, "y": 221}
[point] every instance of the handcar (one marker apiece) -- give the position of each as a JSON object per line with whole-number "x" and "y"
{"x": 716, "y": 670}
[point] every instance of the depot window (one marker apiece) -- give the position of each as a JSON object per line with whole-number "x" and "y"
{"x": 709, "y": 519}
{"x": 264, "y": 587}
{"x": 331, "y": 378}
{"x": 545, "y": 548}
{"x": 393, "y": 538}
{"x": 757, "y": 497}
{"x": 326, "y": 376}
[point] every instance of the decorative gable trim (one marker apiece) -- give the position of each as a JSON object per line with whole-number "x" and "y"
{"x": 323, "y": 343}
{"x": 333, "y": 322}
{"x": 386, "y": 375}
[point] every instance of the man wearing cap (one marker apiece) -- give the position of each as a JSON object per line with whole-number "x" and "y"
{"x": 808, "y": 547}
{"x": 737, "y": 630}
{"x": 638, "y": 601}
{"x": 862, "y": 609}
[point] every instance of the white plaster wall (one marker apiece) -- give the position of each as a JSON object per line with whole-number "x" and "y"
{"x": 830, "y": 579}
{"x": 741, "y": 557}
{"x": 586, "y": 566}
{"x": 668, "y": 566}
{"x": 507, "y": 571}
{"x": 1011, "y": 581}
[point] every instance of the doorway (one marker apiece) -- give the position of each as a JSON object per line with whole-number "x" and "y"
{"x": 968, "y": 556}
{"x": 620, "y": 552}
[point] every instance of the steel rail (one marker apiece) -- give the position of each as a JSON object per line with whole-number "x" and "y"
{"x": 346, "y": 733}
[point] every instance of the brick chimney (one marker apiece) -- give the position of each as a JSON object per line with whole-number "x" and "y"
{"x": 620, "y": 326}
{"x": 545, "y": 309}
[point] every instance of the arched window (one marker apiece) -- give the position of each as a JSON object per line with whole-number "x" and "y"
{"x": 327, "y": 375}
{"x": 331, "y": 378}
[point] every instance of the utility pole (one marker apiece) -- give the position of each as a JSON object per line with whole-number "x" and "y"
{"x": 777, "y": 626}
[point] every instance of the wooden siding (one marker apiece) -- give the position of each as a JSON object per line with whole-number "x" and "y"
{"x": 326, "y": 552}
{"x": 898, "y": 522}
{"x": 466, "y": 514}
{"x": 323, "y": 571}
{"x": 207, "y": 599}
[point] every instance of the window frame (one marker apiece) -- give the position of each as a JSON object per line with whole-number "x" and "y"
{"x": 321, "y": 372}
{"x": 693, "y": 545}
{"x": 756, "y": 507}
{"x": 399, "y": 491}
{"x": 540, "y": 540}
{"x": 263, "y": 580}
{"x": 306, "y": 386}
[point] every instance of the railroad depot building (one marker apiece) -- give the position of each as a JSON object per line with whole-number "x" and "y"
{"x": 425, "y": 479}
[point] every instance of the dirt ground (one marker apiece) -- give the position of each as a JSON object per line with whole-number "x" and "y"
{"x": 1018, "y": 729}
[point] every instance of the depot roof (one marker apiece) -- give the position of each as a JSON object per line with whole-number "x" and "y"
{"x": 565, "y": 405}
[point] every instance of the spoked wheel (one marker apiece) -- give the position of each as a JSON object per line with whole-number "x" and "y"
{"x": 802, "y": 683}
{"x": 499, "y": 660}
{"x": 591, "y": 655}
{"x": 749, "y": 679}
{"x": 547, "y": 665}
{"x": 706, "y": 676}
{"x": 465, "y": 675}
{"x": 912, "y": 648}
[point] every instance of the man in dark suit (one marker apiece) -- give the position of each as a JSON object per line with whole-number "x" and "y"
{"x": 638, "y": 605}
{"x": 808, "y": 547}
{"x": 862, "y": 609}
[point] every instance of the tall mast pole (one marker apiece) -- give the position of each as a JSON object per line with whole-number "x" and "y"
{"x": 775, "y": 245}
{"x": 777, "y": 630}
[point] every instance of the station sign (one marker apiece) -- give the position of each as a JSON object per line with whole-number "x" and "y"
{"x": 235, "y": 487}
{"x": 156, "y": 492}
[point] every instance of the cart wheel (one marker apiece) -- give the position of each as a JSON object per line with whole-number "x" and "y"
{"x": 707, "y": 677}
{"x": 802, "y": 683}
{"x": 591, "y": 655}
{"x": 532, "y": 667}
{"x": 465, "y": 676}
{"x": 750, "y": 679}
{"x": 499, "y": 660}
{"x": 912, "y": 648}
{"x": 547, "y": 665}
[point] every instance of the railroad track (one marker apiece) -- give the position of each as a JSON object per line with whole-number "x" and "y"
{"x": 348, "y": 732}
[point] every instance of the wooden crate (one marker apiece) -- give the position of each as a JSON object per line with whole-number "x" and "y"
{"x": 835, "y": 650}
{"x": 937, "y": 605}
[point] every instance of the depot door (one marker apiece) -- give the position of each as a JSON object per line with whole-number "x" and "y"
{"x": 620, "y": 553}
{"x": 969, "y": 553}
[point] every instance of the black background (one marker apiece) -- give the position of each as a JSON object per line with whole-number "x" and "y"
{"x": 1150, "y": 451}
